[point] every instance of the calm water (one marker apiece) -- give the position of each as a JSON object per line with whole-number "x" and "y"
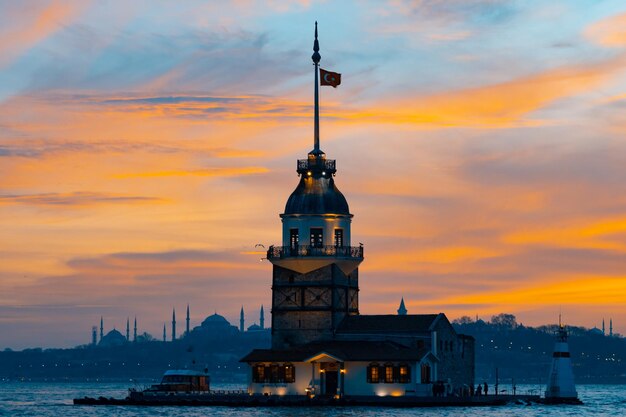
{"x": 55, "y": 400}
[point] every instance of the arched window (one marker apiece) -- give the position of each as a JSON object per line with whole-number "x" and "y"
{"x": 373, "y": 376}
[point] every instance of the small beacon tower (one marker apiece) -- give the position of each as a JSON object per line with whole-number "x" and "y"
{"x": 315, "y": 273}
{"x": 561, "y": 387}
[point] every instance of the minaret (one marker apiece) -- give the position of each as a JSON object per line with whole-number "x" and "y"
{"x": 315, "y": 271}
{"x": 402, "y": 309}
{"x": 603, "y": 331}
{"x": 561, "y": 387}
{"x": 173, "y": 324}
{"x": 610, "y": 327}
{"x": 241, "y": 321}
{"x": 187, "y": 322}
{"x": 101, "y": 328}
{"x": 135, "y": 330}
{"x": 262, "y": 318}
{"x": 128, "y": 329}
{"x": 164, "y": 333}
{"x": 94, "y": 335}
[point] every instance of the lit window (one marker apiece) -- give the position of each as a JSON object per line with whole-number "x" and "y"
{"x": 290, "y": 373}
{"x": 404, "y": 374}
{"x": 389, "y": 373}
{"x": 372, "y": 373}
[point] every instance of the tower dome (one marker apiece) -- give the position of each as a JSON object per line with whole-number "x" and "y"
{"x": 317, "y": 194}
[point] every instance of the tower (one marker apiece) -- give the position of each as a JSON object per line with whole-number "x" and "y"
{"x": 561, "y": 387}
{"x": 610, "y": 327}
{"x": 173, "y": 324}
{"x": 241, "y": 320}
{"x": 315, "y": 271}
{"x": 603, "y": 331}
{"x": 164, "y": 333}
{"x": 101, "y": 328}
{"x": 187, "y": 320}
{"x": 94, "y": 335}
{"x": 402, "y": 309}
{"x": 135, "y": 330}
{"x": 262, "y": 318}
{"x": 128, "y": 329}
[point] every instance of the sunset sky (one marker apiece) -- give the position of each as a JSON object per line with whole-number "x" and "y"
{"x": 147, "y": 146}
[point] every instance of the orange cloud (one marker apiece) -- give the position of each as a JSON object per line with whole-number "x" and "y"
{"x": 609, "y": 32}
{"x": 208, "y": 172}
{"x": 499, "y": 105}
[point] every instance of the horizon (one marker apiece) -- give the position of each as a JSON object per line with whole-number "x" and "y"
{"x": 145, "y": 151}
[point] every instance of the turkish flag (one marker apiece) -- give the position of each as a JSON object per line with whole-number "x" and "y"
{"x": 330, "y": 78}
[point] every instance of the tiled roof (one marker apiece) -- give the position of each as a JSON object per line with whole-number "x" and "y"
{"x": 386, "y": 324}
{"x": 342, "y": 350}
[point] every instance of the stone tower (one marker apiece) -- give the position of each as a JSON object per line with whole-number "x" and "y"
{"x": 315, "y": 280}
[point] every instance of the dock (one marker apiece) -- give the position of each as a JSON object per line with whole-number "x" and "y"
{"x": 246, "y": 400}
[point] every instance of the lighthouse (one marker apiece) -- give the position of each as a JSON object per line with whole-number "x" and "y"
{"x": 561, "y": 387}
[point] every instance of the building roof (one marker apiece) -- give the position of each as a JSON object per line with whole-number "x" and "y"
{"x": 342, "y": 350}
{"x": 387, "y": 324}
{"x": 317, "y": 195}
{"x": 215, "y": 320}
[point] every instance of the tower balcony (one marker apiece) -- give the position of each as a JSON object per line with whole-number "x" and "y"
{"x": 303, "y": 258}
{"x": 282, "y": 252}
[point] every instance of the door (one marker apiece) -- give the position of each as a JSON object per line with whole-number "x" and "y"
{"x": 332, "y": 381}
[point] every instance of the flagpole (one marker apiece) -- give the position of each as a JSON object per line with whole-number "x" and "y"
{"x": 316, "y": 60}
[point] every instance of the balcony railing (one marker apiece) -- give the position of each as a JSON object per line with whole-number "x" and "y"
{"x": 281, "y": 252}
{"x": 316, "y": 164}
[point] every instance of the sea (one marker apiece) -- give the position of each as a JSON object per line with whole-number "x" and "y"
{"x": 48, "y": 399}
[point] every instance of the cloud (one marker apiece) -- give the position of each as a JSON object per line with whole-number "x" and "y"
{"x": 610, "y": 31}
{"x": 75, "y": 199}
{"x": 207, "y": 172}
{"x": 24, "y": 25}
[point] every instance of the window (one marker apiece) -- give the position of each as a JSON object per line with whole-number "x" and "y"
{"x": 339, "y": 238}
{"x": 294, "y": 239}
{"x": 274, "y": 373}
{"x": 258, "y": 373}
{"x": 425, "y": 373}
{"x": 372, "y": 373}
{"x": 317, "y": 237}
{"x": 290, "y": 373}
{"x": 404, "y": 374}
{"x": 388, "y": 373}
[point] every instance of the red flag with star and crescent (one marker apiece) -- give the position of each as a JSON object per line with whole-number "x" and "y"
{"x": 329, "y": 78}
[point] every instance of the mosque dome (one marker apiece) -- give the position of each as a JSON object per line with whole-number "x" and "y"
{"x": 113, "y": 338}
{"x": 215, "y": 320}
{"x": 317, "y": 195}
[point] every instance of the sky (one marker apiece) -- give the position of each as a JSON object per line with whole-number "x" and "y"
{"x": 146, "y": 147}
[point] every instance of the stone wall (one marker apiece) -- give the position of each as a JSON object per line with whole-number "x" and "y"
{"x": 309, "y": 307}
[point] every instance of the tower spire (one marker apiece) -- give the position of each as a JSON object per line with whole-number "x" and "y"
{"x": 128, "y": 329}
{"x": 101, "y": 327}
{"x": 135, "y": 330}
{"x": 316, "y": 57}
{"x": 241, "y": 320}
